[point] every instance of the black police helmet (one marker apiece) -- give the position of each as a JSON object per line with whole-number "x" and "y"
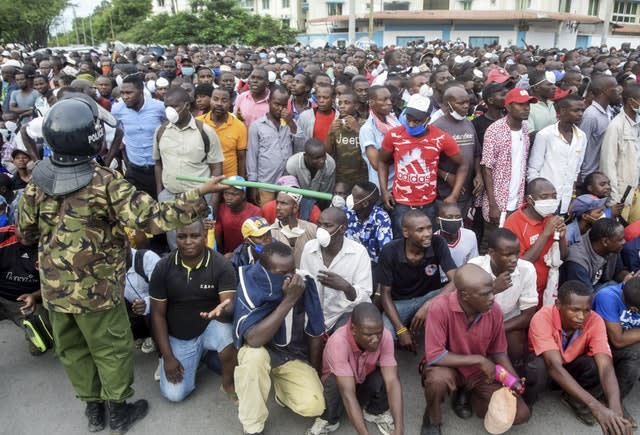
{"x": 73, "y": 130}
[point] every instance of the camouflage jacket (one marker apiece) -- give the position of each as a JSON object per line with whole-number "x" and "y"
{"x": 82, "y": 240}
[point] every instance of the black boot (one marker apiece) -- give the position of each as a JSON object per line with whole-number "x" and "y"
{"x": 123, "y": 415}
{"x": 461, "y": 405}
{"x": 96, "y": 413}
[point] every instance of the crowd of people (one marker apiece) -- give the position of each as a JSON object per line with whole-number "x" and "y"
{"x": 485, "y": 212}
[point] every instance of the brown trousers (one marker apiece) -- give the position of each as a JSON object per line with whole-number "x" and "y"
{"x": 440, "y": 382}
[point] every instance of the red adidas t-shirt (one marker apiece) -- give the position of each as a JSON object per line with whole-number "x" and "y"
{"x": 416, "y": 163}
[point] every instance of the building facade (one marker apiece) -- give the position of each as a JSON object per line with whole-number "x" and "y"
{"x": 547, "y": 23}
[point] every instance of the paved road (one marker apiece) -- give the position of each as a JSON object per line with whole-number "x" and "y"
{"x": 36, "y": 398}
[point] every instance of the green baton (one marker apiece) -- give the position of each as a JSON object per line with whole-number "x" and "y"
{"x": 265, "y": 186}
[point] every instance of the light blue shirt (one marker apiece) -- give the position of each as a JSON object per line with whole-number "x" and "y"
{"x": 370, "y": 135}
{"x": 139, "y": 128}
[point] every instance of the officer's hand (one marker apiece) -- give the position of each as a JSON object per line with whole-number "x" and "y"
{"x": 212, "y": 185}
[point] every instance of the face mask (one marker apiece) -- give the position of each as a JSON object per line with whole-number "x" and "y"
{"x": 263, "y": 55}
{"x": 187, "y": 71}
{"x": 546, "y": 207}
{"x": 637, "y": 110}
{"x": 350, "y": 202}
{"x": 450, "y": 226}
{"x": 258, "y": 247}
{"x": 426, "y": 91}
{"x": 455, "y": 114}
{"x": 151, "y": 86}
{"x": 338, "y": 201}
{"x": 119, "y": 80}
{"x": 291, "y": 233}
{"x": 418, "y": 130}
{"x": 216, "y": 71}
{"x": 172, "y": 114}
{"x": 4, "y": 220}
{"x": 324, "y": 237}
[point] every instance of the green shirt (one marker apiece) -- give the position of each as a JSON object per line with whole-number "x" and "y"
{"x": 82, "y": 241}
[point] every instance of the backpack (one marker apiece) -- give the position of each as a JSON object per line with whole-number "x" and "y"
{"x": 199, "y": 125}
{"x": 138, "y": 264}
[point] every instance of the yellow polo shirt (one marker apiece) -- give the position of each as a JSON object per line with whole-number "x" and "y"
{"x": 233, "y": 138}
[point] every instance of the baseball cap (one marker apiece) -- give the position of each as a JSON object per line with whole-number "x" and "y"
{"x": 498, "y": 75}
{"x": 560, "y": 94}
{"x": 519, "y": 95}
{"x": 18, "y": 150}
{"x": 418, "y": 107}
{"x": 255, "y": 226}
{"x": 501, "y": 411}
{"x": 237, "y": 178}
{"x": 586, "y": 203}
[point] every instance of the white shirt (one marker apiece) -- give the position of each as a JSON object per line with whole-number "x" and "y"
{"x": 353, "y": 264}
{"x": 464, "y": 248}
{"x": 517, "y": 154}
{"x": 135, "y": 287}
{"x": 521, "y": 295}
{"x": 553, "y": 158}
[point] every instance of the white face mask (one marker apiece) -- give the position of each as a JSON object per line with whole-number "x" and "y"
{"x": 151, "y": 86}
{"x": 426, "y": 91}
{"x": 350, "y": 202}
{"x": 455, "y": 114}
{"x": 172, "y": 114}
{"x": 119, "y": 80}
{"x": 338, "y": 201}
{"x": 324, "y": 237}
{"x": 546, "y": 207}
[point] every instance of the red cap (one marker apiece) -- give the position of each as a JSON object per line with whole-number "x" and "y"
{"x": 498, "y": 75}
{"x": 560, "y": 94}
{"x": 519, "y": 95}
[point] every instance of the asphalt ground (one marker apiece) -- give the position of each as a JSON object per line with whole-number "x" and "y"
{"x": 37, "y": 398}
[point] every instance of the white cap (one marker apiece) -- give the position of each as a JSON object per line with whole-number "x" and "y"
{"x": 418, "y": 107}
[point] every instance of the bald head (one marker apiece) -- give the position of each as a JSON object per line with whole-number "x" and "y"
{"x": 470, "y": 279}
{"x": 365, "y": 312}
{"x": 454, "y": 93}
{"x": 335, "y": 215}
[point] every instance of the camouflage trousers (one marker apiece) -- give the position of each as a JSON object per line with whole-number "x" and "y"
{"x": 96, "y": 350}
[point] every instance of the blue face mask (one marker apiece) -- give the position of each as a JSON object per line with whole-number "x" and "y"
{"x": 257, "y": 247}
{"x": 4, "y": 220}
{"x": 418, "y": 130}
{"x": 262, "y": 55}
{"x": 216, "y": 71}
{"x": 188, "y": 71}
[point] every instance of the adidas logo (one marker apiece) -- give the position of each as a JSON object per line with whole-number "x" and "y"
{"x": 25, "y": 255}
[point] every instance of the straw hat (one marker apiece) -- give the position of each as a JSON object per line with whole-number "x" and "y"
{"x": 501, "y": 411}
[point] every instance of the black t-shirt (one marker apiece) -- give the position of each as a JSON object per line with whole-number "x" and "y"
{"x": 188, "y": 293}
{"x": 481, "y": 124}
{"x": 17, "y": 183}
{"x": 408, "y": 281}
{"x": 18, "y": 266}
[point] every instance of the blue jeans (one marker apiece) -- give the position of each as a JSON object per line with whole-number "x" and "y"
{"x": 399, "y": 210}
{"x": 407, "y": 308}
{"x": 216, "y": 337}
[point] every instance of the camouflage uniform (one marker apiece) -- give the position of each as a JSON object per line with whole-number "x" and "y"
{"x": 81, "y": 253}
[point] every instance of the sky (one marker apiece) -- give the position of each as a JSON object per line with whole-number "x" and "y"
{"x": 83, "y": 9}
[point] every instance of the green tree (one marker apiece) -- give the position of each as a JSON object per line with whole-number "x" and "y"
{"x": 28, "y": 21}
{"x": 116, "y": 17}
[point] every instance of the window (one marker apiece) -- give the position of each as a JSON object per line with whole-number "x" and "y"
{"x": 161, "y": 3}
{"x": 396, "y": 6}
{"x": 481, "y": 41}
{"x": 523, "y": 4}
{"x": 285, "y": 4}
{"x": 265, "y": 4}
{"x": 594, "y": 7}
{"x": 565, "y": 6}
{"x": 624, "y": 12}
{"x": 286, "y": 23}
{"x": 334, "y": 9}
{"x": 435, "y": 4}
{"x": 467, "y": 5}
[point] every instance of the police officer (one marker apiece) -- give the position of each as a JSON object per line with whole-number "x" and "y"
{"x": 77, "y": 211}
